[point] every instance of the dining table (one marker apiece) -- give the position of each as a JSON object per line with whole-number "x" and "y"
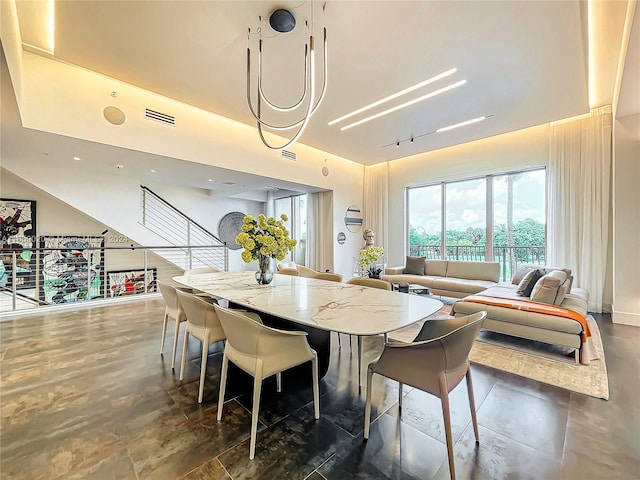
{"x": 315, "y": 306}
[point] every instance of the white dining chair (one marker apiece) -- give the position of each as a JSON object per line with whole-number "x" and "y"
{"x": 371, "y": 283}
{"x": 262, "y": 351}
{"x": 202, "y": 323}
{"x": 174, "y": 311}
{"x": 435, "y": 362}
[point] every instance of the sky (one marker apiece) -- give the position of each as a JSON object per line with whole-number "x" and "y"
{"x": 466, "y": 202}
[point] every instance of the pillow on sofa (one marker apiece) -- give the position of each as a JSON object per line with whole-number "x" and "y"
{"x": 415, "y": 265}
{"x": 546, "y": 288}
{"x": 563, "y": 290}
{"x": 521, "y": 272}
{"x": 528, "y": 282}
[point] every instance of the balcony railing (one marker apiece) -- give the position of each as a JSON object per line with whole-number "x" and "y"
{"x": 79, "y": 272}
{"x": 509, "y": 257}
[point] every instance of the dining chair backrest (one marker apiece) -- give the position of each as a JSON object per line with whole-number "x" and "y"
{"x": 306, "y": 271}
{"x": 370, "y": 282}
{"x": 251, "y": 339}
{"x": 169, "y": 295}
{"x": 289, "y": 271}
{"x": 332, "y": 277}
{"x": 201, "y": 314}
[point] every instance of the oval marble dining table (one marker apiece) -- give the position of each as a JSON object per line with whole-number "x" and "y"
{"x": 318, "y": 307}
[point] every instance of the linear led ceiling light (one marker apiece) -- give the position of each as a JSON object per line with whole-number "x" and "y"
{"x": 461, "y": 124}
{"x": 406, "y": 104}
{"x": 282, "y": 21}
{"x": 396, "y": 95}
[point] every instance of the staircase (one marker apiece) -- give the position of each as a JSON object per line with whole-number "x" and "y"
{"x": 203, "y": 248}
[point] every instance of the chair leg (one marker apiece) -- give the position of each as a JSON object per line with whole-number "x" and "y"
{"x": 257, "y": 385}
{"x": 472, "y": 405}
{"x": 183, "y": 360}
{"x": 223, "y": 386}
{"x": 400, "y": 384}
{"x": 444, "y": 398}
{"x": 316, "y": 389}
{"x": 175, "y": 344}
{"x": 203, "y": 369}
{"x": 164, "y": 331}
{"x": 359, "y": 360}
{"x": 367, "y": 408}
{"x": 279, "y": 382}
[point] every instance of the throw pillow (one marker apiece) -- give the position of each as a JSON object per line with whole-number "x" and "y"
{"x": 520, "y": 273}
{"x": 528, "y": 282}
{"x": 562, "y": 291}
{"x": 546, "y": 289}
{"x": 415, "y": 265}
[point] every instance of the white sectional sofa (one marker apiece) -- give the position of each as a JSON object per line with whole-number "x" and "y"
{"x": 449, "y": 278}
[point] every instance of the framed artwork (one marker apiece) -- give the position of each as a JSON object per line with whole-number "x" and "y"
{"x": 122, "y": 283}
{"x": 230, "y": 226}
{"x": 17, "y": 234}
{"x": 72, "y": 268}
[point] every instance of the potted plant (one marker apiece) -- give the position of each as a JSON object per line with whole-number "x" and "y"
{"x": 263, "y": 239}
{"x": 368, "y": 258}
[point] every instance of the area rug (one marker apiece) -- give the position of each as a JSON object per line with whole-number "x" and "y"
{"x": 538, "y": 361}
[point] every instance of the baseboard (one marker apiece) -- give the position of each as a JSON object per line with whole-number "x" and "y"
{"x": 625, "y": 318}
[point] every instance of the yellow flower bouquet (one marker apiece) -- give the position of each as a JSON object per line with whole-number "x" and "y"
{"x": 368, "y": 258}
{"x": 263, "y": 239}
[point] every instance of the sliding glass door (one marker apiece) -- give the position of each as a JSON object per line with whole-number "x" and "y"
{"x": 295, "y": 208}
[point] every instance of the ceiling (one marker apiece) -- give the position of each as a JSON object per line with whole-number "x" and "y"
{"x": 525, "y": 63}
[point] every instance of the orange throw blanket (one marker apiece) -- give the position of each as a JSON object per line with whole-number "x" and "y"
{"x": 529, "y": 306}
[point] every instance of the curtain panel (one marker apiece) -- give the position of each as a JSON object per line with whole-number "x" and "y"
{"x": 376, "y": 191}
{"x": 579, "y": 179}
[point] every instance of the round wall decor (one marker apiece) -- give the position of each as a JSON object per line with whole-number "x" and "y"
{"x": 230, "y": 225}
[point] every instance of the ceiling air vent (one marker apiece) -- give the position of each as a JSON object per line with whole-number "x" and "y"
{"x": 288, "y": 155}
{"x": 160, "y": 117}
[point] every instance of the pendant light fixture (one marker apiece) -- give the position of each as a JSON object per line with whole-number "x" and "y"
{"x": 283, "y": 21}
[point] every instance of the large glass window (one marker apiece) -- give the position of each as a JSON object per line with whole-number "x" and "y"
{"x": 495, "y": 217}
{"x": 295, "y": 208}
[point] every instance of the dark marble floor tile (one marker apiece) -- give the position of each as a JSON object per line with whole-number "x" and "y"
{"x": 315, "y": 476}
{"x": 117, "y": 466}
{"x": 292, "y": 448}
{"x": 534, "y": 421}
{"x": 394, "y": 450}
{"x": 212, "y": 470}
{"x": 497, "y": 457}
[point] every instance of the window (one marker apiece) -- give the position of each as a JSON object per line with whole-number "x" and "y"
{"x": 491, "y": 218}
{"x": 295, "y": 208}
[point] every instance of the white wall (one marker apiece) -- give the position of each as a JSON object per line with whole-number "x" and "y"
{"x": 626, "y": 220}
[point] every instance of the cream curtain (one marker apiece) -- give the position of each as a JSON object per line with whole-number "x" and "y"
{"x": 315, "y": 231}
{"x": 579, "y": 200}
{"x": 376, "y": 190}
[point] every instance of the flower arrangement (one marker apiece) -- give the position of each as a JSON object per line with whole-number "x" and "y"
{"x": 262, "y": 239}
{"x": 368, "y": 257}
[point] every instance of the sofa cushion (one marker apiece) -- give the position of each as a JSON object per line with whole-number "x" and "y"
{"x": 474, "y": 270}
{"x": 462, "y": 285}
{"x": 528, "y": 282}
{"x": 424, "y": 280}
{"x": 562, "y": 291}
{"x": 521, "y": 272}
{"x": 415, "y": 265}
{"x": 546, "y": 288}
{"x": 437, "y": 268}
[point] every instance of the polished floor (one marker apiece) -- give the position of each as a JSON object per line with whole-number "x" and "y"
{"x": 86, "y": 395}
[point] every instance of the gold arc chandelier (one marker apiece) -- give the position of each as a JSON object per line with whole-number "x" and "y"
{"x": 282, "y": 21}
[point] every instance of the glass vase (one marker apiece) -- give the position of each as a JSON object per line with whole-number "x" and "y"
{"x": 264, "y": 275}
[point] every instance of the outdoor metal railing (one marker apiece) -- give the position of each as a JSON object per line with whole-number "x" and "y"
{"x": 79, "y": 272}
{"x": 175, "y": 227}
{"x": 509, "y": 257}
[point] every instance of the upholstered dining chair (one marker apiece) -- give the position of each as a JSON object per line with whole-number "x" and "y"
{"x": 262, "y": 351}
{"x": 202, "y": 323}
{"x": 373, "y": 283}
{"x": 289, "y": 271}
{"x": 332, "y": 277}
{"x": 172, "y": 310}
{"x": 435, "y": 362}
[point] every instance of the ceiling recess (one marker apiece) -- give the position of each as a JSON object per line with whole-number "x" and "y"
{"x": 160, "y": 117}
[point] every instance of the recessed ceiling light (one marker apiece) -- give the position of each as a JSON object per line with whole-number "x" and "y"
{"x": 461, "y": 124}
{"x": 120, "y": 166}
{"x": 153, "y": 171}
{"x": 76, "y": 158}
{"x": 406, "y": 104}
{"x": 396, "y": 95}
{"x": 210, "y": 180}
